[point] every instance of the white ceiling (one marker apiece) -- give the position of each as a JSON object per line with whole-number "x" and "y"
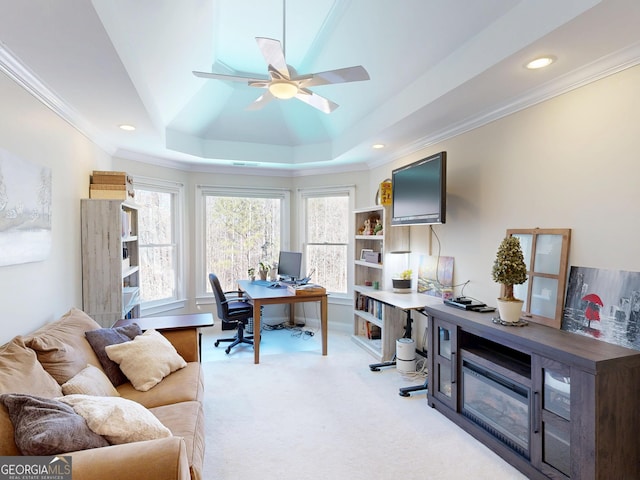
{"x": 437, "y": 68}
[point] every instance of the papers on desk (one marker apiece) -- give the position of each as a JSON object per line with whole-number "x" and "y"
{"x": 307, "y": 289}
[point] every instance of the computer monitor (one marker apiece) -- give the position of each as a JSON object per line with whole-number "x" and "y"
{"x": 289, "y": 265}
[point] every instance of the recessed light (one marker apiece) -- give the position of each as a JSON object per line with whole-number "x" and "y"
{"x": 378, "y": 146}
{"x": 540, "y": 62}
{"x": 126, "y": 127}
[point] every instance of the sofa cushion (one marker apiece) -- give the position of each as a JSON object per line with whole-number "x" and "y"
{"x": 90, "y": 381}
{"x": 146, "y": 360}
{"x": 186, "y": 420}
{"x": 44, "y": 426}
{"x": 119, "y": 420}
{"x": 61, "y": 346}
{"x": 182, "y": 385}
{"x": 99, "y": 339}
{"x": 20, "y": 372}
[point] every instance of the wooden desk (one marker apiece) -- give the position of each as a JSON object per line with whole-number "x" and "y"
{"x": 259, "y": 295}
{"x": 172, "y": 322}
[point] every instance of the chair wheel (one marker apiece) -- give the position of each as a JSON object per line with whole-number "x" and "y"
{"x": 227, "y": 351}
{"x": 217, "y": 343}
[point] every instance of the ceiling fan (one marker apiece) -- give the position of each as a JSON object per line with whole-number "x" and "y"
{"x": 284, "y": 82}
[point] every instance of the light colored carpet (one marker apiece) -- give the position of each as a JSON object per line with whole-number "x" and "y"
{"x": 298, "y": 415}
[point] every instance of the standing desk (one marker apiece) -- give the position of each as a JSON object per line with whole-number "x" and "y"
{"x": 259, "y": 295}
{"x": 407, "y": 302}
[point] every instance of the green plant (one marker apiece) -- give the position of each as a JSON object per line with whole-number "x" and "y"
{"x": 509, "y": 268}
{"x": 265, "y": 266}
{"x": 251, "y": 271}
{"x": 405, "y": 275}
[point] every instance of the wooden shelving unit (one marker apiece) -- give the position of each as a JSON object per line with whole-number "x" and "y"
{"x": 376, "y": 326}
{"x": 110, "y": 260}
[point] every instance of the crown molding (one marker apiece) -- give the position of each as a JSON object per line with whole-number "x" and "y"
{"x": 25, "y": 78}
{"x": 597, "y": 70}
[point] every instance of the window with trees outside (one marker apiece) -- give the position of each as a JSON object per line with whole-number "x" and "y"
{"x": 326, "y": 236}
{"x": 240, "y": 229}
{"x": 159, "y": 241}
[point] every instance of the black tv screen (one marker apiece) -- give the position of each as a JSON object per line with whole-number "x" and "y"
{"x": 420, "y": 191}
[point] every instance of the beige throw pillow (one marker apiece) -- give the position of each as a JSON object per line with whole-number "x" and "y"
{"x": 90, "y": 381}
{"x": 146, "y": 359}
{"x": 117, "y": 419}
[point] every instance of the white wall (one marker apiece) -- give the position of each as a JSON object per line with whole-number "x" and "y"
{"x": 35, "y": 293}
{"x": 570, "y": 162}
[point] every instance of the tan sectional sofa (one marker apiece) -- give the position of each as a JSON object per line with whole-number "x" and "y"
{"x": 39, "y": 363}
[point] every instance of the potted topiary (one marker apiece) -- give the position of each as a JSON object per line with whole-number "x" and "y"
{"x": 402, "y": 282}
{"x": 509, "y": 269}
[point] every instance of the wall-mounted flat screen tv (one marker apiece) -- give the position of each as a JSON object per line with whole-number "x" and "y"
{"x": 420, "y": 192}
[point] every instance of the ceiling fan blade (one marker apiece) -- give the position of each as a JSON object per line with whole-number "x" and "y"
{"x": 274, "y": 55}
{"x": 316, "y": 101}
{"x": 340, "y": 75}
{"x": 259, "y": 83}
{"x": 231, "y": 78}
{"x": 261, "y": 101}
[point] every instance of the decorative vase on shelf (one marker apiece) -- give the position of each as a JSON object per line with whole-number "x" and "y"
{"x": 510, "y": 310}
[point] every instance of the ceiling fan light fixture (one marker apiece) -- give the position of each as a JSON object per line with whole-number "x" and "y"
{"x": 283, "y": 90}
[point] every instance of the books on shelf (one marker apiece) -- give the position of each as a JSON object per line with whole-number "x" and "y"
{"x": 374, "y": 332}
{"x": 369, "y": 305}
{"x": 126, "y": 223}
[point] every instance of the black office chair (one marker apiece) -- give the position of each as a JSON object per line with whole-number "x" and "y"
{"x": 232, "y": 308}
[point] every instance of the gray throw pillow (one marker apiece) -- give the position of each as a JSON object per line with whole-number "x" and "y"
{"x": 44, "y": 426}
{"x": 102, "y": 337}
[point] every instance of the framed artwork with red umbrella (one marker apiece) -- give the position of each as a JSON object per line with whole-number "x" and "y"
{"x": 604, "y": 304}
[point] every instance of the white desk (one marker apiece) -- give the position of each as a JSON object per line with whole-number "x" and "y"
{"x": 404, "y": 301}
{"x": 407, "y": 302}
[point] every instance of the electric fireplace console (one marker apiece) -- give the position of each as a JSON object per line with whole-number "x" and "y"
{"x": 552, "y": 403}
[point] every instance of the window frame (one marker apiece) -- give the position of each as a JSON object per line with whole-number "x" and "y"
{"x": 176, "y": 189}
{"x": 331, "y": 191}
{"x": 564, "y": 234}
{"x": 202, "y": 192}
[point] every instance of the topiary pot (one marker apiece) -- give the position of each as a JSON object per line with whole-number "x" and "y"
{"x": 401, "y": 285}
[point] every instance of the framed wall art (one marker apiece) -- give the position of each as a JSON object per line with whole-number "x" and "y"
{"x": 25, "y": 210}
